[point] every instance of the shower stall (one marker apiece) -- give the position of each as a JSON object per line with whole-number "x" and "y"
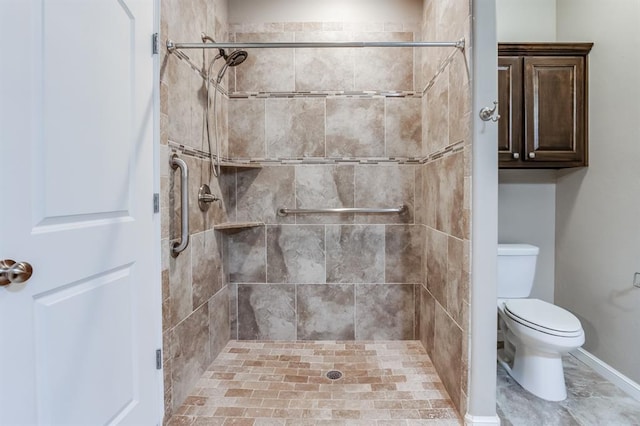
{"x": 340, "y": 152}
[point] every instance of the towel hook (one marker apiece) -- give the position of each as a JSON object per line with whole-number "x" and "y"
{"x": 487, "y": 113}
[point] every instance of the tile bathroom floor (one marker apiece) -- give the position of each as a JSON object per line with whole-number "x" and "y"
{"x": 591, "y": 400}
{"x": 285, "y": 383}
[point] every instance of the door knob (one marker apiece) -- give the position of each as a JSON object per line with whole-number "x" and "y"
{"x": 14, "y": 272}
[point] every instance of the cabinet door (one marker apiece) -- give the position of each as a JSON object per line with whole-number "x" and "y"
{"x": 554, "y": 96}
{"x": 510, "y": 109}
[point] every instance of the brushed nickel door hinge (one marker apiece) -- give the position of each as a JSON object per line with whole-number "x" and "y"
{"x": 155, "y": 44}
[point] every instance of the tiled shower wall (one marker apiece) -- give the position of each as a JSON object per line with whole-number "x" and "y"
{"x": 308, "y": 277}
{"x": 322, "y": 276}
{"x": 326, "y": 277}
{"x": 195, "y": 295}
{"x": 445, "y": 197}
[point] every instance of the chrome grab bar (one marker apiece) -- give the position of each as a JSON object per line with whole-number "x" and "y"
{"x": 177, "y": 162}
{"x": 400, "y": 210}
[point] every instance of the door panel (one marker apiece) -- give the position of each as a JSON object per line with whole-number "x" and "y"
{"x": 509, "y": 108}
{"x": 554, "y": 98}
{"x": 95, "y": 124}
{"x": 84, "y": 349}
{"x": 79, "y": 338}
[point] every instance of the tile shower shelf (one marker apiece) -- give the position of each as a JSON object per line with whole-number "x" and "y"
{"x": 236, "y": 226}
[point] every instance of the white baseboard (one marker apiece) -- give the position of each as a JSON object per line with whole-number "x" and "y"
{"x": 608, "y": 372}
{"x": 470, "y": 420}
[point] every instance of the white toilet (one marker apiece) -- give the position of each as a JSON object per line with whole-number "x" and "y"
{"x": 535, "y": 333}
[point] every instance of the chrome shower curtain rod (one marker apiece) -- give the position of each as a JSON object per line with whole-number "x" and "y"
{"x": 171, "y": 46}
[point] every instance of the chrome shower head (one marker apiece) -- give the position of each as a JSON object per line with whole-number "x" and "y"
{"x": 236, "y": 58}
{"x": 233, "y": 60}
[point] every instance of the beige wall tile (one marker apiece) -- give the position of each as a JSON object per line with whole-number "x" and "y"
{"x": 427, "y": 320}
{"x": 206, "y": 266}
{"x": 437, "y": 115}
{"x": 266, "y": 312}
{"x": 296, "y": 254}
{"x": 437, "y": 265}
{"x": 247, "y": 128}
{"x": 261, "y": 192}
{"x": 191, "y": 353}
{"x": 325, "y": 186}
{"x": 324, "y": 69}
{"x": 446, "y": 354}
{"x": 326, "y": 312}
{"x": 403, "y": 254}
{"x": 266, "y": 69}
{"x": 450, "y": 214}
{"x": 355, "y": 253}
{"x": 383, "y": 68}
{"x": 385, "y": 186}
{"x": 355, "y": 127}
{"x": 219, "y": 321}
{"x": 180, "y": 288}
{"x": 455, "y": 286}
{"x": 384, "y": 311}
{"x": 295, "y": 127}
{"x": 403, "y": 127}
{"x": 459, "y": 99}
{"x": 246, "y": 260}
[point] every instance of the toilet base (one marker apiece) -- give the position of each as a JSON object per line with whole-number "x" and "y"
{"x": 540, "y": 373}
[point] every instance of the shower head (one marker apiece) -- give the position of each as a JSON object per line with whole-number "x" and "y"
{"x": 236, "y": 58}
{"x": 233, "y": 60}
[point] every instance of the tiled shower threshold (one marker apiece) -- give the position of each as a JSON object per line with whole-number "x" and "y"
{"x": 285, "y": 383}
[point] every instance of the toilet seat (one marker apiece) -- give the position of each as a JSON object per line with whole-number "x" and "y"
{"x": 544, "y": 317}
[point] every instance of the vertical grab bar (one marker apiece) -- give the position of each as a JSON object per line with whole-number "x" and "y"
{"x": 177, "y": 162}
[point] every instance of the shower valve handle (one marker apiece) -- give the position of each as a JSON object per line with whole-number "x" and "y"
{"x": 205, "y": 197}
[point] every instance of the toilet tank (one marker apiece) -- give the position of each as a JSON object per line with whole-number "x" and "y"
{"x": 516, "y": 269}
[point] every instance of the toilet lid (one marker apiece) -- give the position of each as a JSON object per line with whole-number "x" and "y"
{"x": 543, "y": 316}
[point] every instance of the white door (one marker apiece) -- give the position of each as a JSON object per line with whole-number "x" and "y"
{"x": 78, "y": 339}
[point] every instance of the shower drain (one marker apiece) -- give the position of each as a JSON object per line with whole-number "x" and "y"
{"x": 334, "y": 374}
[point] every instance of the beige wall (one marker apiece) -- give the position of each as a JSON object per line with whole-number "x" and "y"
{"x": 598, "y": 236}
{"x": 526, "y": 214}
{"x": 527, "y": 199}
{"x": 249, "y": 11}
{"x": 526, "y": 20}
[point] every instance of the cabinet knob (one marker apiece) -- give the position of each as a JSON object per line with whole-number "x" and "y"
{"x": 532, "y": 155}
{"x": 516, "y": 156}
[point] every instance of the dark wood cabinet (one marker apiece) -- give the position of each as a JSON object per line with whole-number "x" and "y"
{"x": 542, "y": 95}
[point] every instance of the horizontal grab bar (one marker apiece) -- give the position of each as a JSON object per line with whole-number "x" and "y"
{"x": 400, "y": 210}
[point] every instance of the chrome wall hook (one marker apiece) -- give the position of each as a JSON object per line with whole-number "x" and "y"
{"x": 487, "y": 113}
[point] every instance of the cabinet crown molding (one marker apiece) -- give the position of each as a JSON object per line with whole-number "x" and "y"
{"x": 544, "y": 49}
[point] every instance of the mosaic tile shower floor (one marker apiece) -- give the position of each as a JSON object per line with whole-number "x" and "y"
{"x": 285, "y": 383}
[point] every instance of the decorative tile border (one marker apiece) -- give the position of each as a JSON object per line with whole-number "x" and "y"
{"x": 328, "y": 94}
{"x": 278, "y": 27}
{"x": 194, "y": 152}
